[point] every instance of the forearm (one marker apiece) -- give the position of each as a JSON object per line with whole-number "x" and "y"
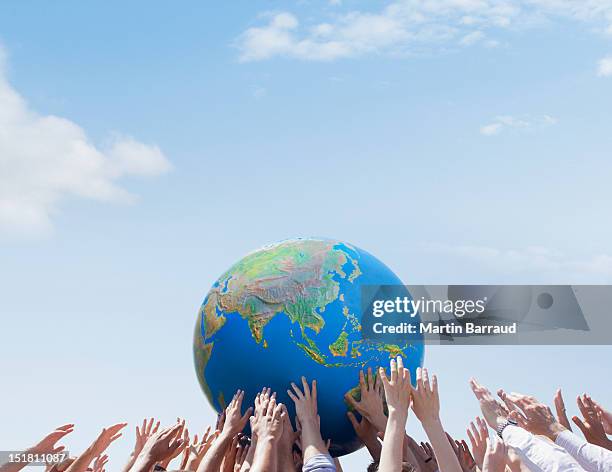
{"x": 590, "y": 456}
{"x": 537, "y": 454}
{"x": 265, "y": 459}
{"x": 248, "y": 460}
{"x": 312, "y": 442}
{"x": 379, "y": 422}
{"x": 374, "y": 448}
{"x": 130, "y": 463}
{"x": 143, "y": 463}
{"x": 392, "y": 448}
{"x": 214, "y": 457}
{"x": 408, "y": 454}
{"x": 285, "y": 457}
{"x": 82, "y": 462}
{"x": 13, "y": 466}
{"x": 447, "y": 460}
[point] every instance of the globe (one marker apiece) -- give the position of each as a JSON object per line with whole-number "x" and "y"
{"x": 292, "y": 309}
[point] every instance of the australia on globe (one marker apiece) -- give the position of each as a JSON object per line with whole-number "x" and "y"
{"x": 292, "y": 309}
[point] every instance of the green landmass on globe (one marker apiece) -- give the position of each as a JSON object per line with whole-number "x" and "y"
{"x": 292, "y": 309}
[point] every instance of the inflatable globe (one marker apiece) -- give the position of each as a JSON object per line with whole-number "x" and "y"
{"x": 288, "y": 310}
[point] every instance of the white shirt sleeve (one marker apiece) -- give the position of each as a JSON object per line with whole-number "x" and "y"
{"x": 537, "y": 454}
{"x": 591, "y": 457}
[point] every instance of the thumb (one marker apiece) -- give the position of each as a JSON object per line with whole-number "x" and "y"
{"x": 580, "y": 424}
{"x": 247, "y": 415}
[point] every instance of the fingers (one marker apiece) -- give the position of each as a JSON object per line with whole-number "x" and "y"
{"x": 383, "y": 376}
{"x": 580, "y": 424}
{"x": 306, "y": 388}
{"x": 426, "y": 385}
{"x": 371, "y": 384}
{"x": 295, "y": 398}
{"x": 351, "y": 401}
{"x": 362, "y": 383}
{"x": 560, "y": 409}
{"x": 393, "y": 367}
{"x": 297, "y": 391}
{"x": 353, "y": 420}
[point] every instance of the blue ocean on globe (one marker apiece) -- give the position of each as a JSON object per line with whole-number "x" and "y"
{"x": 288, "y": 310}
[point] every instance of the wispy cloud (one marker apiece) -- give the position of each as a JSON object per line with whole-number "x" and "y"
{"x": 407, "y": 25}
{"x": 604, "y": 68}
{"x": 535, "y": 261}
{"x": 472, "y": 38}
{"x": 501, "y": 122}
{"x": 46, "y": 159}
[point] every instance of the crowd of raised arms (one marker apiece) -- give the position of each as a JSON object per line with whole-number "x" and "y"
{"x": 517, "y": 434}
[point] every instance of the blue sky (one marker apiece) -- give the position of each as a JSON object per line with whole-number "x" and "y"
{"x": 145, "y": 147}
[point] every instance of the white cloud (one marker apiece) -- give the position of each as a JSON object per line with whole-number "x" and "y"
{"x": 491, "y": 129}
{"x": 45, "y": 159}
{"x": 502, "y": 122}
{"x": 407, "y": 25}
{"x": 472, "y": 38}
{"x": 259, "y": 93}
{"x": 604, "y": 68}
{"x": 548, "y": 263}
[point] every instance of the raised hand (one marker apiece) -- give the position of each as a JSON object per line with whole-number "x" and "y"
{"x": 605, "y": 416}
{"x": 560, "y": 407}
{"x": 99, "y": 463}
{"x": 464, "y": 456}
{"x": 533, "y": 416}
{"x": 158, "y": 448}
{"x": 198, "y": 449}
{"x": 592, "y": 425}
{"x": 285, "y": 445}
{"x": 426, "y": 407}
{"x": 425, "y": 398}
{"x": 48, "y": 444}
{"x": 183, "y": 434}
{"x": 478, "y": 435}
{"x": 495, "y": 457}
{"x": 230, "y": 423}
{"x": 229, "y": 459}
{"x": 143, "y": 433}
{"x": 494, "y": 413}
{"x": 102, "y": 442}
{"x": 370, "y": 404}
{"x": 269, "y": 429}
{"x": 397, "y": 392}
{"x": 424, "y": 457}
{"x": 305, "y": 400}
{"x": 241, "y": 454}
{"x": 235, "y": 421}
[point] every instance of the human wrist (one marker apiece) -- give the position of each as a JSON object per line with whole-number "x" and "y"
{"x": 397, "y": 417}
{"x": 554, "y": 430}
{"x": 431, "y": 422}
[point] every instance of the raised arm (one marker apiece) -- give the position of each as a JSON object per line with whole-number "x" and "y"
{"x": 306, "y": 410}
{"x": 426, "y": 406}
{"x": 106, "y": 437}
{"x": 143, "y": 433}
{"x": 370, "y": 404}
{"x": 397, "y": 392}
{"x": 538, "y": 419}
{"x": 159, "y": 447}
{"x": 234, "y": 424}
{"x": 268, "y": 426}
{"x": 47, "y": 445}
